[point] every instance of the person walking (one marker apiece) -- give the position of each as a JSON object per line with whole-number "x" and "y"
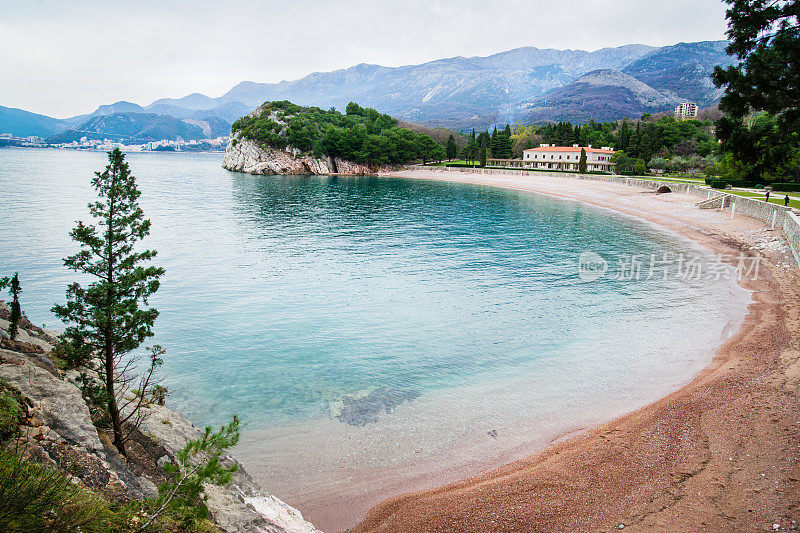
{"x": 767, "y": 198}
{"x": 786, "y": 201}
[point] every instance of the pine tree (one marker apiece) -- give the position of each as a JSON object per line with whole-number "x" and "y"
{"x": 582, "y": 167}
{"x": 451, "y": 148}
{"x": 110, "y": 318}
{"x": 16, "y": 310}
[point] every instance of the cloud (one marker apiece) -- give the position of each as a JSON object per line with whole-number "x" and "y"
{"x": 65, "y": 58}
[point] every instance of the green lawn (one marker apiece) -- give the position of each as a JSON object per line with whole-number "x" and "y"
{"x": 774, "y": 198}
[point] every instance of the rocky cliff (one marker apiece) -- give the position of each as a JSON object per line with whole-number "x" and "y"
{"x": 244, "y": 155}
{"x": 57, "y": 429}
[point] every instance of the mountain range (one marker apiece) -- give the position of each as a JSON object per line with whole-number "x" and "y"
{"x": 522, "y": 85}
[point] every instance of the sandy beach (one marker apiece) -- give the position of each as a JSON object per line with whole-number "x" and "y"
{"x": 720, "y": 454}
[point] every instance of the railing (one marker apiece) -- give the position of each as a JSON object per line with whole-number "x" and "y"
{"x": 773, "y": 215}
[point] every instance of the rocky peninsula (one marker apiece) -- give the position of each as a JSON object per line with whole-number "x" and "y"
{"x": 285, "y": 138}
{"x": 245, "y": 155}
{"x": 56, "y": 429}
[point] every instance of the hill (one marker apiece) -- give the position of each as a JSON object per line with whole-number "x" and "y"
{"x": 141, "y": 127}
{"x": 362, "y": 135}
{"x": 682, "y": 71}
{"x": 602, "y": 95}
{"x": 22, "y": 123}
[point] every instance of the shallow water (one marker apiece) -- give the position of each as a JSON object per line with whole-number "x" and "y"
{"x": 425, "y": 315}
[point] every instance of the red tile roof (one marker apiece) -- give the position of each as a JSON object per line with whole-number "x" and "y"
{"x": 568, "y": 149}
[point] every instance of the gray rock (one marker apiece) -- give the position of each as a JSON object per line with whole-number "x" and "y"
{"x": 60, "y": 401}
{"x": 240, "y": 506}
{"x": 243, "y": 155}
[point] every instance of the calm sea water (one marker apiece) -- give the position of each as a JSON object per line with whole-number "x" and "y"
{"x": 285, "y": 295}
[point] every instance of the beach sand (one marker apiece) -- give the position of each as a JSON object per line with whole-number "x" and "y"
{"x": 720, "y": 454}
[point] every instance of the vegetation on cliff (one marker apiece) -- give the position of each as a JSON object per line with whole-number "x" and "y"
{"x": 361, "y": 135}
{"x": 59, "y": 470}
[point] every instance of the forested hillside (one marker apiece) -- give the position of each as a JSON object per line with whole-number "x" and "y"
{"x": 360, "y": 135}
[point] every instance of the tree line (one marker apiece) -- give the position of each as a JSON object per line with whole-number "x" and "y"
{"x": 362, "y": 135}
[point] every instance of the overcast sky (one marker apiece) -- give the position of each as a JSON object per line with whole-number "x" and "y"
{"x": 62, "y": 57}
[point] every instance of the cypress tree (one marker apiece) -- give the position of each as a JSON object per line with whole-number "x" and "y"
{"x": 110, "y": 317}
{"x": 16, "y": 310}
{"x": 451, "y": 148}
{"x": 482, "y": 161}
{"x": 582, "y": 167}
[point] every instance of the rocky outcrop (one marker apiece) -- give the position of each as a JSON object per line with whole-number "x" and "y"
{"x": 244, "y": 155}
{"x": 57, "y": 429}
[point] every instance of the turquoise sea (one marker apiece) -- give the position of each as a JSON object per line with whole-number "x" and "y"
{"x": 425, "y": 315}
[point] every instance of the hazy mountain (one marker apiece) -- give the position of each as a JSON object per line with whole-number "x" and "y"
{"x": 683, "y": 70}
{"x": 447, "y": 91}
{"x": 24, "y": 123}
{"x": 142, "y": 127}
{"x": 601, "y": 95}
{"x": 525, "y": 84}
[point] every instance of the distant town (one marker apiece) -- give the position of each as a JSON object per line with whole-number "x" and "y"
{"x": 165, "y": 145}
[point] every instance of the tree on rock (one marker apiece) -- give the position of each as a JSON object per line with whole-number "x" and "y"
{"x": 110, "y": 317}
{"x": 16, "y": 311}
{"x": 582, "y": 166}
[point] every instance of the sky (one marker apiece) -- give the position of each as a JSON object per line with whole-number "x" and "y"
{"x": 65, "y": 57}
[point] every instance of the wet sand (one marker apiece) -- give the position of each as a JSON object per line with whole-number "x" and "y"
{"x": 720, "y": 454}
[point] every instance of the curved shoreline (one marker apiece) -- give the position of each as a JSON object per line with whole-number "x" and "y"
{"x": 684, "y": 461}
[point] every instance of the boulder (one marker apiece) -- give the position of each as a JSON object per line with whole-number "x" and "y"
{"x": 60, "y": 401}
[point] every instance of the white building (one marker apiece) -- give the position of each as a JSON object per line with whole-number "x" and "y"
{"x": 548, "y": 157}
{"x": 686, "y": 111}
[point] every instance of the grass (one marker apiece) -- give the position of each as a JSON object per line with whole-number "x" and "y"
{"x": 10, "y": 410}
{"x": 773, "y": 198}
{"x": 36, "y": 497}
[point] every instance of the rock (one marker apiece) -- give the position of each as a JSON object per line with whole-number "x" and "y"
{"x": 358, "y": 410}
{"x": 60, "y": 432}
{"x": 244, "y": 155}
{"x": 240, "y": 506}
{"x": 61, "y": 404}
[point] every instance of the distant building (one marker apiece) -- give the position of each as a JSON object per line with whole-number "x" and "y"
{"x": 548, "y": 157}
{"x": 686, "y": 111}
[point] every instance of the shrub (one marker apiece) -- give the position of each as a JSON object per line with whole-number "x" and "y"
{"x": 10, "y": 411}
{"x": 199, "y": 462}
{"x": 36, "y": 497}
{"x": 787, "y": 187}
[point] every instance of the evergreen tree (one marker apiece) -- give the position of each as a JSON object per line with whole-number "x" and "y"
{"x": 110, "y": 317}
{"x": 482, "y": 156}
{"x": 504, "y": 142}
{"x": 493, "y": 144}
{"x": 16, "y": 310}
{"x": 582, "y": 167}
{"x": 765, "y": 38}
{"x": 451, "y": 148}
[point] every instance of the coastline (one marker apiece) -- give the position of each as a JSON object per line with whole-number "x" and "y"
{"x": 717, "y": 453}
